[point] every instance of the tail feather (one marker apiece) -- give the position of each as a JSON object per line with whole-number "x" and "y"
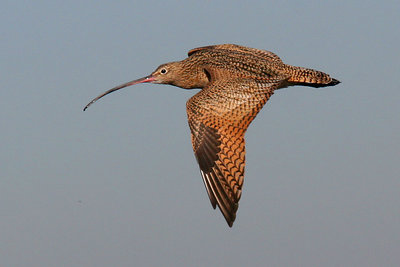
{"x": 310, "y": 77}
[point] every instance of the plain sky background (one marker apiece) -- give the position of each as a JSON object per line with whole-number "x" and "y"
{"x": 118, "y": 185}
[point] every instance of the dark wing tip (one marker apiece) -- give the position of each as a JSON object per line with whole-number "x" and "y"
{"x": 334, "y": 82}
{"x": 230, "y": 221}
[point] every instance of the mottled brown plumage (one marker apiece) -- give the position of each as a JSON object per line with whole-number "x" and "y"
{"x": 236, "y": 82}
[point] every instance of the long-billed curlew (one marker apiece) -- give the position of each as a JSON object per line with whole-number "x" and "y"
{"x": 236, "y": 82}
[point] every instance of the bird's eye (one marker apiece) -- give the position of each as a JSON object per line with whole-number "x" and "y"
{"x": 163, "y": 71}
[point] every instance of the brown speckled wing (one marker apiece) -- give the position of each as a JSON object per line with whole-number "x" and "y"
{"x": 242, "y": 49}
{"x": 219, "y": 116}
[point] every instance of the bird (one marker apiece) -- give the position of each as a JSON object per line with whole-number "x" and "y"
{"x": 235, "y": 82}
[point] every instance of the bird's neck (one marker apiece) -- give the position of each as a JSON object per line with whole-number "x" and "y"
{"x": 192, "y": 76}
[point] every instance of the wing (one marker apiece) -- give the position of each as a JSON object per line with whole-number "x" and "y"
{"x": 219, "y": 116}
{"x": 238, "y": 48}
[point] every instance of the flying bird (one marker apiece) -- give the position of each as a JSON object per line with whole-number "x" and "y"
{"x": 235, "y": 83}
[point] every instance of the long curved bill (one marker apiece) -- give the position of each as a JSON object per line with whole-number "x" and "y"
{"x": 146, "y": 79}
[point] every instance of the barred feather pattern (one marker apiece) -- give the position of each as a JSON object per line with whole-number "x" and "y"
{"x": 219, "y": 116}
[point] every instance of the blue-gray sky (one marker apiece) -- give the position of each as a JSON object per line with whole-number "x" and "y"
{"x": 118, "y": 185}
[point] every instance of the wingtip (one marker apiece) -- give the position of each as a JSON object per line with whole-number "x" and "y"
{"x": 334, "y": 82}
{"x": 230, "y": 219}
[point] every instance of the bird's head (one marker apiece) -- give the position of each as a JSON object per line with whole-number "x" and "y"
{"x": 163, "y": 74}
{"x": 183, "y": 74}
{"x": 174, "y": 73}
{"x": 167, "y": 73}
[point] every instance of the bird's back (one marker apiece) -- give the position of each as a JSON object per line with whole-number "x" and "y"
{"x": 233, "y": 61}
{"x": 229, "y": 61}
